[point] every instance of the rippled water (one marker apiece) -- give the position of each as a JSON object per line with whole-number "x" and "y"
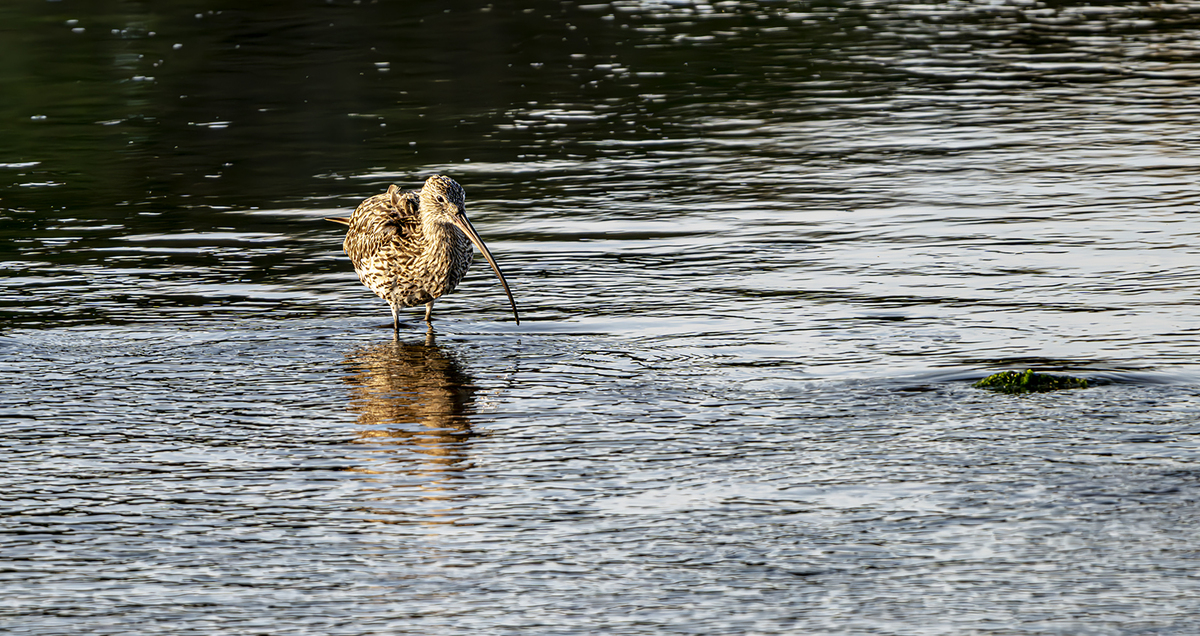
{"x": 760, "y": 249}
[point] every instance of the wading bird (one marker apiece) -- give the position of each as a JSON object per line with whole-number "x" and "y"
{"x": 412, "y": 248}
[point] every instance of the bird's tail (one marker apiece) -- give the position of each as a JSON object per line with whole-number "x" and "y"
{"x": 338, "y": 219}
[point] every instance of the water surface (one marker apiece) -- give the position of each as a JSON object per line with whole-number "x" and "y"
{"x": 760, "y": 250}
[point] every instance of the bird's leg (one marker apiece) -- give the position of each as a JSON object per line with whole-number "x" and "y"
{"x": 395, "y": 322}
{"x": 428, "y": 311}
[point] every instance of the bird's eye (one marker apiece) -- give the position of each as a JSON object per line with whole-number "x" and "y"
{"x": 441, "y": 199}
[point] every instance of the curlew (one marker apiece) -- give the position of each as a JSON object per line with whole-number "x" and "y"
{"x": 412, "y": 248}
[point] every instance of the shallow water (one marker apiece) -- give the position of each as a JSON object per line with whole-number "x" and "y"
{"x": 760, "y": 251}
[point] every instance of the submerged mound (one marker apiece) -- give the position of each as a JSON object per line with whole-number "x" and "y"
{"x": 1029, "y": 382}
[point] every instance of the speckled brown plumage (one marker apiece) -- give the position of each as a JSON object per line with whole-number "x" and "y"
{"x": 412, "y": 248}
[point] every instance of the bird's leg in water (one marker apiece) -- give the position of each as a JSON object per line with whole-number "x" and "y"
{"x": 395, "y": 322}
{"x": 428, "y": 311}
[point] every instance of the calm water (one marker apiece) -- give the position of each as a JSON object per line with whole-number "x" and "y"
{"x": 761, "y": 251}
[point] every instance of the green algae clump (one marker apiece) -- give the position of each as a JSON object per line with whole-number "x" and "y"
{"x": 1017, "y": 382}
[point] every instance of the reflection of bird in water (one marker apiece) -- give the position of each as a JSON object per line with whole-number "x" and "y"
{"x": 412, "y": 394}
{"x": 414, "y": 247}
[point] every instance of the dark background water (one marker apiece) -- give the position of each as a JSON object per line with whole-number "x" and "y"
{"x": 761, "y": 250}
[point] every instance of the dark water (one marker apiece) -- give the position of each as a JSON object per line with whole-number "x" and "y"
{"x": 761, "y": 250}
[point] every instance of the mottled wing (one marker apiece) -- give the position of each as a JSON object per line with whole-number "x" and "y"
{"x": 382, "y": 223}
{"x": 384, "y": 241}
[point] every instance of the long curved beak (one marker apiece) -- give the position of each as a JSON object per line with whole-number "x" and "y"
{"x": 464, "y": 224}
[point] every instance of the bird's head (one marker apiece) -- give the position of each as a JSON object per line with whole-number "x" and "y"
{"x": 444, "y": 198}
